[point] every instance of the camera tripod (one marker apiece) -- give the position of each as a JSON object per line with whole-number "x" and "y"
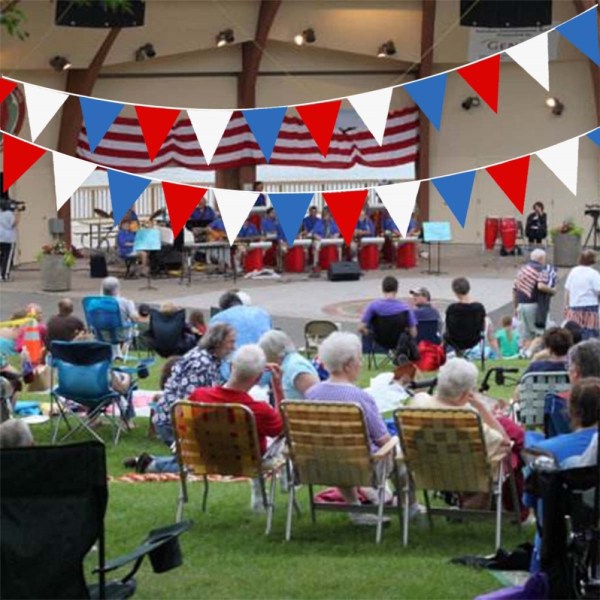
{"x": 594, "y": 229}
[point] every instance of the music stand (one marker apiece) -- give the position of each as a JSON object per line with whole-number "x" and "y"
{"x": 594, "y": 212}
{"x": 147, "y": 240}
{"x": 436, "y": 232}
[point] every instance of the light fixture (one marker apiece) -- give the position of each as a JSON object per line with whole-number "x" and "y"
{"x": 225, "y": 37}
{"x": 470, "y": 102}
{"x": 556, "y": 105}
{"x": 60, "y": 63}
{"x": 144, "y": 52}
{"x": 387, "y": 49}
{"x": 306, "y": 37}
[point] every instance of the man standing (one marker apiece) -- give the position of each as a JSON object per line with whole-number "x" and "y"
{"x": 9, "y": 221}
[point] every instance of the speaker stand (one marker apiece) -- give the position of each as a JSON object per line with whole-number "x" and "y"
{"x": 438, "y": 270}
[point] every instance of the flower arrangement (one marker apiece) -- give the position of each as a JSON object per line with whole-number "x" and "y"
{"x": 568, "y": 228}
{"x": 58, "y": 248}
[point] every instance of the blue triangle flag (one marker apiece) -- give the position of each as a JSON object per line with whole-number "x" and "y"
{"x": 582, "y": 32}
{"x": 290, "y": 209}
{"x": 429, "y": 95}
{"x": 98, "y": 116}
{"x": 456, "y": 192}
{"x": 595, "y": 136}
{"x": 265, "y": 124}
{"x": 125, "y": 189}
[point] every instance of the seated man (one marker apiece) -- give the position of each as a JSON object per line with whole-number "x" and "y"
{"x": 247, "y": 233}
{"x": 309, "y": 222}
{"x": 429, "y": 327}
{"x": 65, "y": 325}
{"x": 557, "y": 342}
{"x": 202, "y": 216}
{"x": 112, "y": 287}
{"x": 125, "y": 243}
{"x": 216, "y": 233}
{"x": 364, "y": 228}
{"x": 269, "y": 223}
{"x": 325, "y": 228}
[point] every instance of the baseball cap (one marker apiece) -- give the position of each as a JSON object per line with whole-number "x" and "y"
{"x": 421, "y": 291}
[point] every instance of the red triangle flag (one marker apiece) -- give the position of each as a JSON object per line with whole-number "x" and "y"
{"x": 181, "y": 201}
{"x": 6, "y": 87}
{"x": 19, "y": 156}
{"x": 345, "y": 209}
{"x": 511, "y": 177}
{"x": 484, "y": 78}
{"x": 320, "y": 120}
{"x": 156, "y": 124}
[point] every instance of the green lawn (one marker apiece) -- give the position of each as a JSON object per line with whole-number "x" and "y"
{"x": 227, "y": 555}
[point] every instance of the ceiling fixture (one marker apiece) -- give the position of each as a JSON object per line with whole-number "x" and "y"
{"x": 306, "y": 37}
{"x": 387, "y": 49}
{"x": 144, "y": 52}
{"x": 470, "y": 102}
{"x": 556, "y": 105}
{"x": 60, "y": 63}
{"x": 225, "y": 37}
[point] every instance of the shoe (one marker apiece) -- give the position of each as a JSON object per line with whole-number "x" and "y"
{"x": 138, "y": 463}
{"x": 367, "y": 519}
{"x": 130, "y": 463}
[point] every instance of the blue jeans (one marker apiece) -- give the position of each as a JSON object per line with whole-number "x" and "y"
{"x": 168, "y": 463}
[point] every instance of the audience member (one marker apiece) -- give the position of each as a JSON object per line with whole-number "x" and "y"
{"x": 426, "y": 313}
{"x": 507, "y": 338}
{"x": 557, "y": 342}
{"x": 196, "y": 323}
{"x": 15, "y": 433}
{"x": 112, "y": 287}
{"x": 64, "y": 326}
{"x": 582, "y": 289}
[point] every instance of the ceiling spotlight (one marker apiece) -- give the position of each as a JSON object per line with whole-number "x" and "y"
{"x": 387, "y": 49}
{"x": 470, "y": 102}
{"x": 225, "y": 37}
{"x": 60, "y": 63}
{"x": 556, "y": 105}
{"x": 306, "y": 37}
{"x": 144, "y": 52}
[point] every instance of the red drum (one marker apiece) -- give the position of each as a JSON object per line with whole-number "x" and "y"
{"x": 253, "y": 260}
{"x": 270, "y": 257}
{"x": 256, "y": 221}
{"x": 327, "y": 255}
{"x": 508, "y": 233}
{"x": 492, "y": 225}
{"x": 293, "y": 261}
{"x": 368, "y": 257}
{"x": 406, "y": 255}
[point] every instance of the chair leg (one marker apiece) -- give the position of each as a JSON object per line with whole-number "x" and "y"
{"x": 514, "y": 492}
{"x": 381, "y": 501}
{"x": 398, "y": 486}
{"x": 313, "y": 512}
{"x": 498, "y": 497}
{"x": 290, "y": 513}
{"x": 183, "y": 496}
{"x": 271, "y": 503}
{"x": 406, "y": 515}
{"x": 205, "y": 494}
{"x": 428, "y": 506}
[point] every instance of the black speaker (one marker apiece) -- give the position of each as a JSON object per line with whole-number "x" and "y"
{"x": 344, "y": 271}
{"x": 505, "y": 13}
{"x": 95, "y": 14}
{"x": 98, "y": 268}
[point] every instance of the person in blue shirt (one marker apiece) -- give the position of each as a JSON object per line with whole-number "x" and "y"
{"x": 389, "y": 225}
{"x": 262, "y": 198}
{"x": 269, "y": 222}
{"x": 248, "y": 230}
{"x": 309, "y": 222}
{"x": 217, "y": 225}
{"x": 202, "y": 212}
{"x": 364, "y": 228}
{"x": 325, "y": 228}
{"x": 125, "y": 242}
{"x": 217, "y": 233}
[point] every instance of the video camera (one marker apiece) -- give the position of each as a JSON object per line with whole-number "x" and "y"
{"x": 592, "y": 210}
{"x": 12, "y": 205}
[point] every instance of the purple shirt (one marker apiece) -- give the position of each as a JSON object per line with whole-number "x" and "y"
{"x": 346, "y": 392}
{"x": 386, "y": 307}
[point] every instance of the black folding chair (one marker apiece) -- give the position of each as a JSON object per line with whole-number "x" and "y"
{"x": 166, "y": 334}
{"x": 465, "y": 329}
{"x": 384, "y": 336}
{"x": 52, "y": 511}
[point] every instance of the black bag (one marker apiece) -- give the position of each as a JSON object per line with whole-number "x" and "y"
{"x": 98, "y": 267}
{"x": 406, "y": 349}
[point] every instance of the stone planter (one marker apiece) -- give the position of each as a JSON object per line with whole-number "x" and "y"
{"x": 567, "y": 249}
{"x": 56, "y": 276}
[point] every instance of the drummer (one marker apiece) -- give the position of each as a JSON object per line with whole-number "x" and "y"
{"x": 217, "y": 233}
{"x": 364, "y": 228}
{"x": 325, "y": 228}
{"x": 202, "y": 216}
{"x": 134, "y": 220}
{"x": 309, "y": 222}
{"x": 247, "y": 233}
{"x": 269, "y": 223}
{"x": 125, "y": 243}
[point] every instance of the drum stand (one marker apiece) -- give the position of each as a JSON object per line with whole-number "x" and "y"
{"x": 594, "y": 230}
{"x": 149, "y": 285}
{"x": 438, "y": 270}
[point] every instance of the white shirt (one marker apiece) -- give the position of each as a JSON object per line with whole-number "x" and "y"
{"x": 583, "y": 285}
{"x": 8, "y": 231}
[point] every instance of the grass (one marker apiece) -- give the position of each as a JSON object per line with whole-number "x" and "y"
{"x": 227, "y": 555}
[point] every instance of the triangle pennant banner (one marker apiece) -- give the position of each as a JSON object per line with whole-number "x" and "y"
{"x": 532, "y": 56}
{"x": 18, "y": 157}
{"x": 265, "y": 124}
{"x": 511, "y": 178}
{"x": 582, "y": 32}
{"x": 69, "y": 174}
{"x": 235, "y": 206}
{"x": 209, "y": 127}
{"x": 181, "y": 201}
{"x": 125, "y": 189}
{"x": 98, "y": 116}
{"x": 456, "y": 192}
{"x": 320, "y": 120}
{"x": 345, "y": 209}
{"x": 595, "y": 136}
{"x": 6, "y": 87}
{"x": 399, "y": 199}
{"x": 155, "y": 123}
{"x": 429, "y": 95}
{"x": 563, "y": 159}
{"x": 484, "y": 77}
{"x": 373, "y": 108}
{"x": 290, "y": 209}
{"x": 42, "y": 105}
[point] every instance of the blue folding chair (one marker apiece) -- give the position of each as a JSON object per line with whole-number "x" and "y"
{"x": 83, "y": 371}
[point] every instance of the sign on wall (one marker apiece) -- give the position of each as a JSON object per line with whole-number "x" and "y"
{"x": 485, "y": 41}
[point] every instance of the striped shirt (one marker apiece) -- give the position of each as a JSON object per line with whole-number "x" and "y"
{"x": 527, "y": 280}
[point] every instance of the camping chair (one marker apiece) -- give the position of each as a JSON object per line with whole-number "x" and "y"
{"x": 314, "y": 333}
{"x": 532, "y": 391}
{"x": 328, "y": 445}
{"x": 53, "y": 504}
{"x": 384, "y": 335}
{"x": 465, "y": 332}
{"x": 84, "y": 376}
{"x": 220, "y": 439}
{"x": 166, "y": 334}
{"x": 444, "y": 450}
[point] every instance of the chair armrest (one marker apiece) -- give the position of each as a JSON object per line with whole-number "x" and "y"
{"x": 386, "y": 448}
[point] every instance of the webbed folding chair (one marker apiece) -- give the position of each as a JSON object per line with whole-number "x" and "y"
{"x": 51, "y": 513}
{"x": 532, "y": 390}
{"x": 314, "y": 333}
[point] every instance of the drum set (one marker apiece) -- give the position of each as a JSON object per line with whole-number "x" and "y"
{"x": 504, "y": 228}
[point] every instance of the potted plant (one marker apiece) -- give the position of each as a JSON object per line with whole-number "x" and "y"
{"x": 567, "y": 244}
{"x": 56, "y": 260}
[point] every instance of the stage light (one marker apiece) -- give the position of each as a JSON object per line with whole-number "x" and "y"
{"x": 60, "y": 63}
{"x": 306, "y": 37}
{"x": 387, "y": 49}
{"x": 556, "y": 105}
{"x": 225, "y": 37}
{"x": 470, "y": 102}
{"x": 144, "y": 52}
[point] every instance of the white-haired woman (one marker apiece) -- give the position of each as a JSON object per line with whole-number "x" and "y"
{"x": 297, "y": 373}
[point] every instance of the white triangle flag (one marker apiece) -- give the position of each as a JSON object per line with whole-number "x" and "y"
{"x": 235, "y": 206}
{"x": 563, "y": 159}
{"x": 69, "y": 174}
{"x": 532, "y": 56}
{"x": 399, "y": 199}
{"x": 42, "y": 105}
{"x": 209, "y": 126}
{"x": 373, "y": 108}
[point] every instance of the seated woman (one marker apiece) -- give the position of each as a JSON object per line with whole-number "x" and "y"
{"x": 557, "y": 342}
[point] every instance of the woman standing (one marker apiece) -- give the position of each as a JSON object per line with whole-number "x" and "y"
{"x": 536, "y": 227}
{"x": 581, "y": 295}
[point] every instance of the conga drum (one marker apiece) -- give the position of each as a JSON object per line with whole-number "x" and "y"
{"x": 270, "y": 257}
{"x": 492, "y": 225}
{"x": 406, "y": 255}
{"x": 508, "y": 233}
{"x": 329, "y": 252}
{"x": 253, "y": 259}
{"x": 294, "y": 261}
{"x": 368, "y": 254}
